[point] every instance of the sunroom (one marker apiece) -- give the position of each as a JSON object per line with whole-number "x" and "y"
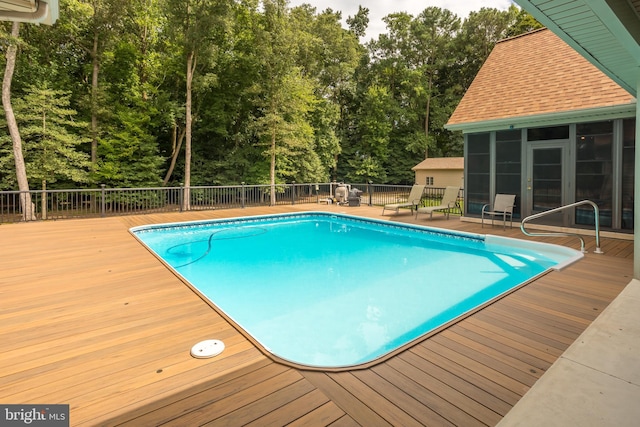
{"x": 544, "y": 124}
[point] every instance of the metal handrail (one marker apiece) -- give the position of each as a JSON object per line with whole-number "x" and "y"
{"x": 561, "y": 208}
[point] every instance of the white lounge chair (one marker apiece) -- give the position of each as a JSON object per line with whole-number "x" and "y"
{"x": 448, "y": 202}
{"x": 502, "y": 206}
{"x": 415, "y": 195}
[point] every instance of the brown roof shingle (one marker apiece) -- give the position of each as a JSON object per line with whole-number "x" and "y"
{"x": 440, "y": 163}
{"x": 536, "y": 73}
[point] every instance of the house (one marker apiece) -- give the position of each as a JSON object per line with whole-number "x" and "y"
{"x": 440, "y": 172}
{"x": 542, "y": 122}
{"x": 606, "y": 34}
{"x": 575, "y": 132}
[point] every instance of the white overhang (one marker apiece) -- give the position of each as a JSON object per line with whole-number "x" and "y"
{"x": 605, "y": 32}
{"x": 549, "y": 119}
{"x": 32, "y": 11}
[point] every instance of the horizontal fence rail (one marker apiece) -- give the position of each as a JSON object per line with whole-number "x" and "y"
{"x": 17, "y": 206}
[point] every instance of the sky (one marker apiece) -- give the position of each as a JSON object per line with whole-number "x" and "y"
{"x": 378, "y": 9}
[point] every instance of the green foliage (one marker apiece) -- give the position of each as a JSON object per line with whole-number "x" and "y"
{"x": 279, "y": 91}
{"x": 524, "y": 22}
{"x": 129, "y": 155}
{"x": 51, "y": 138}
{"x": 359, "y": 22}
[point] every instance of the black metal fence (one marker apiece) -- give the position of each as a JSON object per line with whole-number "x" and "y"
{"x": 101, "y": 202}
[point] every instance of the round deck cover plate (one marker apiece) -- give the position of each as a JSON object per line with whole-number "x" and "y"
{"x": 207, "y": 348}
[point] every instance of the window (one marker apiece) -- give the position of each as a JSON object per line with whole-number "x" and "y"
{"x": 549, "y": 133}
{"x": 429, "y": 180}
{"x": 508, "y": 165}
{"x": 628, "y": 162}
{"x": 478, "y": 171}
{"x": 594, "y": 171}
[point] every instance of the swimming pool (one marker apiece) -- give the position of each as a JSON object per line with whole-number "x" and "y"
{"x": 332, "y": 291}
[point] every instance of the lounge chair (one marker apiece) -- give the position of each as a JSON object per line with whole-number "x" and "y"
{"x": 502, "y": 206}
{"x": 415, "y": 195}
{"x": 448, "y": 202}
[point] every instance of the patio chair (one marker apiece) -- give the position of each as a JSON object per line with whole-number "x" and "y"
{"x": 502, "y": 207}
{"x": 448, "y": 202}
{"x": 415, "y": 195}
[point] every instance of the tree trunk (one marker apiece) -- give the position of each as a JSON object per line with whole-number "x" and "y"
{"x": 426, "y": 120}
{"x": 177, "y": 145}
{"x": 28, "y": 208}
{"x": 272, "y": 169}
{"x": 186, "y": 201}
{"x": 94, "y": 103}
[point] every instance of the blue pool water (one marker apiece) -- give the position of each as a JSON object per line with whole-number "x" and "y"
{"x": 328, "y": 290}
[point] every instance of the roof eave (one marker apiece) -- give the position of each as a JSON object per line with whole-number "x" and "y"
{"x": 548, "y": 119}
{"x": 611, "y": 20}
{"x": 46, "y": 12}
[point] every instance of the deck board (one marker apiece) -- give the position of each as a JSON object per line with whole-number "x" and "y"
{"x": 445, "y": 376}
{"x": 91, "y": 318}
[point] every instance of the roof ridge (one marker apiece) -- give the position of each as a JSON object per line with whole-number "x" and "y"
{"x": 522, "y": 35}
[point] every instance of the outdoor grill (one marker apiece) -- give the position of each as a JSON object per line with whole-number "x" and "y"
{"x": 354, "y": 197}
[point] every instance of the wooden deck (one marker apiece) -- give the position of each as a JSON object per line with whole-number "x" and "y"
{"x": 90, "y": 318}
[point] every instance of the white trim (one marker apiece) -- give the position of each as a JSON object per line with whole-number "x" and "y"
{"x": 45, "y": 12}
{"x": 549, "y": 119}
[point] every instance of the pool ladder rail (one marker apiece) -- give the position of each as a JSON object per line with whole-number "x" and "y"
{"x": 555, "y": 234}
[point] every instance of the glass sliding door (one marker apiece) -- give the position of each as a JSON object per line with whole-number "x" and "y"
{"x": 478, "y": 170}
{"x": 628, "y": 172}
{"x": 546, "y": 182}
{"x": 547, "y": 179}
{"x": 509, "y": 165}
{"x": 594, "y": 171}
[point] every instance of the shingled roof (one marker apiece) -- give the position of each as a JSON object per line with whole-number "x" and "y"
{"x": 440, "y": 163}
{"x": 535, "y": 75}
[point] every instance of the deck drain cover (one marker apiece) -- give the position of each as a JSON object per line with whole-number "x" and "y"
{"x": 207, "y": 348}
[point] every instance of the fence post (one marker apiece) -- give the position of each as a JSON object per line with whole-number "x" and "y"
{"x": 43, "y": 202}
{"x": 102, "y": 200}
{"x": 181, "y": 196}
{"x": 370, "y": 191}
{"x": 293, "y": 193}
{"x": 243, "y": 195}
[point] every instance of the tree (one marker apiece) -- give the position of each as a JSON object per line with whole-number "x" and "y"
{"x": 28, "y": 208}
{"x": 524, "y": 23}
{"x": 479, "y": 33}
{"x": 93, "y": 25}
{"x": 52, "y": 137}
{"x": 197, "y": 26}
{"x": 129, "y": 149}
{"x": 433, "y": 33}
{"x": 371, "y": 150}
{"x": 359, "y": 22}
{"x": 129, "y": 156}
{"x": 285, "y": 98}
{"x": 329, "y": 55}
{"x": 412, "y": 60}
{"x": 197, "y": 88}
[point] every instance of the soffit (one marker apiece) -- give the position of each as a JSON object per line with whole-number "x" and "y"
{"x": 18, "y": 5}
{"x": 606, "y": 33}
{"x": 33, "y": 11}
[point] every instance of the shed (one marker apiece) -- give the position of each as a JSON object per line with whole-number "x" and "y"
{"x": 440, "y": 172}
